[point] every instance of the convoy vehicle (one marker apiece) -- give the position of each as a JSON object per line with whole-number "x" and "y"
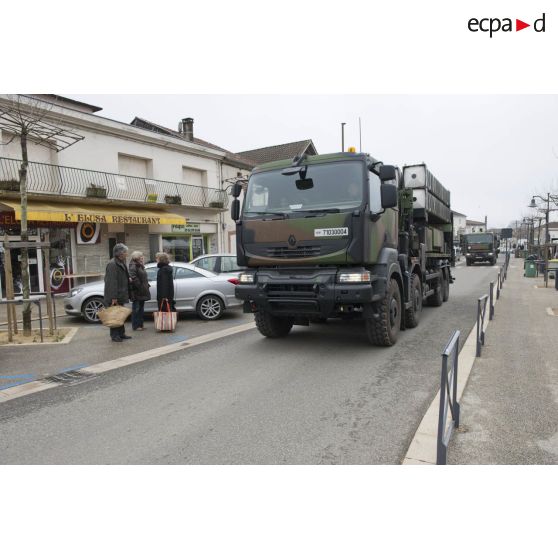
{"x": 342, "y": 236}
{"x": 480, "y": 247}
{"x": 195, "y": 290}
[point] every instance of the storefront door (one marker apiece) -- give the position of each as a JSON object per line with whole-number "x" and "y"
{"x": 35, "y": 268}
{"x": 197, "y": 246}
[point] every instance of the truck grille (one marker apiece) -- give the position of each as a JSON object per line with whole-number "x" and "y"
{"x": 298, "y": 252}
{"x": 275, "y": 289}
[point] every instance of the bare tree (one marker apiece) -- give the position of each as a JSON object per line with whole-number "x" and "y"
{"x": 31, "y": 119}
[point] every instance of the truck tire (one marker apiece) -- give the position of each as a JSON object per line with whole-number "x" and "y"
{"x": 383, "y": 331}
{"x": 272, "y": 326}
{"x": 412, "y": 314}
{"x": 437, "y": 298}
{"x": 445, "y": 286}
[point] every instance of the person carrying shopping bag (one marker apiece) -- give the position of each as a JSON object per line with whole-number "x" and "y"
{"x": 140, "y": 289}
{"x": 117, "y": 286}
{"x": 166, "y": 317}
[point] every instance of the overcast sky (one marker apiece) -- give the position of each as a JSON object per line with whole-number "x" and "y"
{"x": 493, "y": 152}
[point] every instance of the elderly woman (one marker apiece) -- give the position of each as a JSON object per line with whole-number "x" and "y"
{"x": 165, "y": 282}
{"x": 117, "y": 286}
{"x": 140, "y": 289}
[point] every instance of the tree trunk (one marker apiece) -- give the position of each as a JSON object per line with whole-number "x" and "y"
{"x": 24, "y": 236}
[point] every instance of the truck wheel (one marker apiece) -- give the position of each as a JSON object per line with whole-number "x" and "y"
{"x": 445, "y": 287}
{"x": 272, "y": 326}
{"x": 412, "y": 314}
{"x": 437, "y": 298}
{"x": 383, "y": 330}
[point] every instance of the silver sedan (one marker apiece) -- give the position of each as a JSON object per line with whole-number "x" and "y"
{"x": 195, "y": 290}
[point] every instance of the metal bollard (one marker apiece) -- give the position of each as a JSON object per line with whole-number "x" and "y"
{"x": 491, "y": 312}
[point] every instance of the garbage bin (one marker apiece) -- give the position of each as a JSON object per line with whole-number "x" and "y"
{"x": 530, "y": 269}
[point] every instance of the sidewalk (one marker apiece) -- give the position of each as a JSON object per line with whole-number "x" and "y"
{"x": 509, "y": 409}
{"x": 91, "y": 345}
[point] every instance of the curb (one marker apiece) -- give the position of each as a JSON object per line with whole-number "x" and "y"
{"x": 45, "y": 383}
{"x": 424, "y": 445}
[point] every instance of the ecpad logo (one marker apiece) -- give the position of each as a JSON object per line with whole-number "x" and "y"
{"x": 492, "y": 25}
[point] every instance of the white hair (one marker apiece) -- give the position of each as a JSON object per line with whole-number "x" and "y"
{"x": 136, "y": 255}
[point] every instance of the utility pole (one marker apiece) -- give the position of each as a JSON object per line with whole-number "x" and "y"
{"x": 343, "y": 136}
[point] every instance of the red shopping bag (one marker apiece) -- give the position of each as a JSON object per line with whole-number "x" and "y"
{"x": 164, "y": 319}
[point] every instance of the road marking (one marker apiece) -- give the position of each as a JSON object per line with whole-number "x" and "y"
{"x": 43, "y": 384}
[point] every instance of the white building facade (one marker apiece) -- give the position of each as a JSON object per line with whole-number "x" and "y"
{"x": 153, "y": 189}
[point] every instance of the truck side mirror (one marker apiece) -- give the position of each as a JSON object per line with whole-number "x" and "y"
{"x": 388, "y": 193}
{"x": 236, "y": 189}
{"x": 235, "y": 209}
{"x": 387, "y": 172}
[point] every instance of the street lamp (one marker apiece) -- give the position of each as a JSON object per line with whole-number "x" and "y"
{"x": 547, "y": 210}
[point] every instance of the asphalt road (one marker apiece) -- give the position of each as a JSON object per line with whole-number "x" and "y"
{"x": 320, "y": 396}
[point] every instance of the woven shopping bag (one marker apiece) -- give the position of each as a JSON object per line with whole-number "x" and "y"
{"x": 114, "y": 316}
{"x": 164, "y": 319}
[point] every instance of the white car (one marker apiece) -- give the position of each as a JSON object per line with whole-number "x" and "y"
{"x": 195, "y": 290}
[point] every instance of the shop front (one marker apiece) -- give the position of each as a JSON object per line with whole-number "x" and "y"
{"x": 186, "y": 242}
{"x": 81, "y": 239}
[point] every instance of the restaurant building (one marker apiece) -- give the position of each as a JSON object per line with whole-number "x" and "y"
{"x": 150, "y": 187}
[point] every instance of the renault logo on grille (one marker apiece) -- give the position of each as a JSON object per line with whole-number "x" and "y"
{"x": 292, "y": 240}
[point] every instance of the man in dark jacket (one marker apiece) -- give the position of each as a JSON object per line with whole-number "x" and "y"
{"x": 117, "y": 286}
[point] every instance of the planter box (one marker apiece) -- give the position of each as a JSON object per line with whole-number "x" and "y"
{"x": 10, "y": 185}
{"x": 151, "y": 198}
{"x": 217, "y": 204}
{"x": 173, "y": 200}
{"x": 96, "y": 192}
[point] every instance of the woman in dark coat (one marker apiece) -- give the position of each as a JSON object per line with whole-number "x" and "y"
{"x": 117, "y": 286}
{"x": 140, "y": 289}
{"x": 165, "y": 282}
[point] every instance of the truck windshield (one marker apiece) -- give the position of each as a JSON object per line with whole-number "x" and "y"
{"x": 478, "y": 238}
{"x": 335, "y": 186}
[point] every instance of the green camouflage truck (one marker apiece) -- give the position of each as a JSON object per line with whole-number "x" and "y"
{"x": 480, "y": 247}
{"x": 342, "y": 236}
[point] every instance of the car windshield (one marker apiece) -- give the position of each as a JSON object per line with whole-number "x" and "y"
{"x": 324, "y": 187}
{"x": 478, "y": 238}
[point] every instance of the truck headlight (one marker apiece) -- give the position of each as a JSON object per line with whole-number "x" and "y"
{"x": 358, "y": 277}
{"x": 490, "y": 254}
{"x": 247, "y": 278}
{"x": 75, "y": 292}
{"x": 467, "y": 254}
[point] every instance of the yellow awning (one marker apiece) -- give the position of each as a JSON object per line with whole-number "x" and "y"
{"x": 65, "y": 213}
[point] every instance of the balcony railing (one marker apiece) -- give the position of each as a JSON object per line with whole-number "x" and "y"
{"x": 43, "y": 178}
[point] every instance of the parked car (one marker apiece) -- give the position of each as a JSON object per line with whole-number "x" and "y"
{"x": 218, "y": 263}
{"x": 195, "y": 290}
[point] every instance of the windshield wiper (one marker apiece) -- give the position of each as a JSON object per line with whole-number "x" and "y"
{"x": 330, "y": 210}
{"x": 281, "y": 214}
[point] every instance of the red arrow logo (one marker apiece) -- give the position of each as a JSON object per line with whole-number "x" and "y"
{"x": 519, "y": 25}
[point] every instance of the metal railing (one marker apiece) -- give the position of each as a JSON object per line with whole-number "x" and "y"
{"x": 43, "y": 178}
{"x": 481, "y": 313}
{"x": 448, "y": 397}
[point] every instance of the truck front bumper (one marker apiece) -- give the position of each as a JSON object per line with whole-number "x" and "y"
{"x": 312, "y": 293}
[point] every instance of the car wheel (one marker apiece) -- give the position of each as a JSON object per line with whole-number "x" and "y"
{"x": 210, "y": 307}
{"x": 90, "y": 308}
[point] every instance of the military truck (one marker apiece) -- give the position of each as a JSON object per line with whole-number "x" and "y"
{"x": 480, "y": 247}
{"x": 342, "y": 236}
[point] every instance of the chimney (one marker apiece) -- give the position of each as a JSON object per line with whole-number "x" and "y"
{"x": 186, "y": 128}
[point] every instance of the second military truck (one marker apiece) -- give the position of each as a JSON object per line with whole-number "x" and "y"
{"x": 342, "y": 236}
{"x": 480, "y": 247}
